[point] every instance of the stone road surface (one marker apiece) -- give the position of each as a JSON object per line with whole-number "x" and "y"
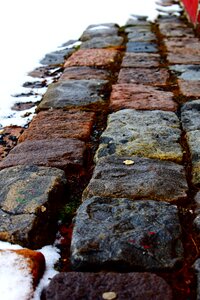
{"x": 121, "y": 126}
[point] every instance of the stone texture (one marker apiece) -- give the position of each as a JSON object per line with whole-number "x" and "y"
{"x": 66, "y": 124}
{"x": 193, "y": 139}
{"x": 105, "y": 58}
{"x": 106, "y": 42}
{"x": 140, "y": 235}
{"x": 67, "y": 154}
{"x": 143, "y": 179}
{"x": 153, "y": 134}
{"x": 196, "y": 267}
{"x": 86, "y": 73}
{"x": 99, "y": 30}
{"x": 138, "y": 28}
{"x": 153, "y": 76}
{"x": 190, "y": 115}
{"x": 139, "y": 96}
{"x": 90, "y": 286}
{"x": 186, "y": 72}
{"x": 139, "y": 60}
{"x": 29, "y": 204}
{"x": 144, "y": 47}
{"x": 56, "y": 57}
{"x": 74, "y": 94}
{"x": 175, "y": 29}
{"x": 139, "y": 36}
{"x": 18, "y": 263}
{"x": 189, "y": 88}
{"x": 196, "y": 220}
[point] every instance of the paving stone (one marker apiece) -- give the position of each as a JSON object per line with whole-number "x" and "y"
{"x": 193, "y": 139}
{"x": 106, "y": 42}
{"x": 153, "y": 134}
{"x": 134, "y": 235}
{"x": 67, "y": 154}
{"x": 134, "y": 21}
{"x": 190, "y": 115}
{"x": 143, "y": 47}
{"x": 66, "y": 124}
{"x": 153, "y": 76}
{"x": 139, "y": 60}
{"x": 86, "y": 73}
{"x": 27, "y": 263}
{"x": 196, "y": 267}
{"x": 138, "y": 27}
{"x": 196, "y": 220}
{"x": 56, "y": 57}
{"x": 189, "y": 88}
{"x": 29, "y": 204}
{"x": 145, "y": 36}
{"x": 99, "y": 30}
{"x": 74, "y": 94}
{"x": 171, "y": 29}
{"x": 139, "y": 96}
{"x": 78, "y": 285}
{"x": 186, "y": 72}
{"x": 105, "y": 58}
{"x": 143, "y": 179}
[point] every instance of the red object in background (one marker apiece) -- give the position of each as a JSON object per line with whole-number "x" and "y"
{"x": 192, "y": 9}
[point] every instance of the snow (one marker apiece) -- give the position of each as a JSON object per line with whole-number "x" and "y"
{"x": 17, "y": 284}
{"x": 30, "y": 29}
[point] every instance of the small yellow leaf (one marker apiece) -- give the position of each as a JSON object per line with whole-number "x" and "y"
{"x": 109, "y": 296}
{"x": 128, "y": 162}
{"x": 43, "y": 208}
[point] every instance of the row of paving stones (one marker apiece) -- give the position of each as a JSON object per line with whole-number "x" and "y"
{"x": 136, "y": 160}
{"x": 139, "y": 158}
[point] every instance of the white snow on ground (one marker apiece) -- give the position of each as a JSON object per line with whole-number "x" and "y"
{"x": 15, "y": 280}
{"x": 30, "y": 29}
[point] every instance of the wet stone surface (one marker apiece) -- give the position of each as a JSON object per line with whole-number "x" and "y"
{"x": 139, "y": 235}
{"x": 86, "y": 73}
{"x": 153, "y": 76}
{"x": 66, "y": 124}
{"x": 67, "y": 154}
{"x": 99, "y": 42}
{"x": 142, "y": 179}
{"x": 153, "y": 134}
{"x": 28, "y": 205}
{"x": 186, "y": 72}
{"x": 94, "y": 58}
{"x": 145, "y": 47}
{"x": 139, "y": 60}
{"x": 78, "y": 285}
{"x": 74, "y": 93}
{"x": 141, "y": 97}
{"x": 190, "y": 115}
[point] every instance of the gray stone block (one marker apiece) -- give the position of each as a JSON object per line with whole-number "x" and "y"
{"x": 137, "y": 178}
{"x": 126, "y": 235}
{"x": 190, "y": 115}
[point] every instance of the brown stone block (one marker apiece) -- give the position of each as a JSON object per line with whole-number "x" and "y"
{"x": 174, "y": 29}
{"x": 93, "y": 58}
{"x": 55, "y": 124}
{"x": 86, "y": 73}
{"x": 65, "y": 154}
{"x": 153, "y": 76}
{"x": 138, "y": 60}
{"x": 189, "y": 88}
{"x": 138, "y": 96}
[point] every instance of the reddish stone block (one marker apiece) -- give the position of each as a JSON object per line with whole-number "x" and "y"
{"x": 87, "y": 73}
{"x": 65, "y": 154}
{"x": 93, "y": 58}
{"x": 138, "y": 96}
{"x": 174, "y": 29}
{"x": 189, "y": 88}
{"x": 55, "y": 124}
{"x": 153, "y": 76}
{"x": 139, "y": 60}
